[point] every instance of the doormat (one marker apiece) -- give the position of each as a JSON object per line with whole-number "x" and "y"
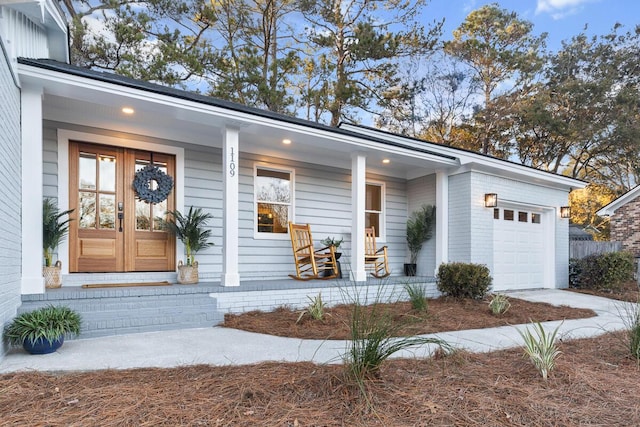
{"x": 125, "y": 285}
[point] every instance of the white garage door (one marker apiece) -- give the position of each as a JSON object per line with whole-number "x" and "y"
{"x": 518, "y": 249}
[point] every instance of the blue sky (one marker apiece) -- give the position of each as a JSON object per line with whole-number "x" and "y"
{"x": 562, "y": 19}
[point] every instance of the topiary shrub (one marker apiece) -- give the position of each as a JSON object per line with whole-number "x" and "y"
{"x": 603, "y": 272}
{"x": 464, "y": 280}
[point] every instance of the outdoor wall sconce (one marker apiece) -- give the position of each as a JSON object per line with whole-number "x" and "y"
{"x": 490, "y": 200}
{"x": 565, "y": 211}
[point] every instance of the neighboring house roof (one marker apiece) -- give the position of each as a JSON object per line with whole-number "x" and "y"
{"x": 616, "y": 204}
{"x": 576, "y": 232}
{"x": 449, "y": 155}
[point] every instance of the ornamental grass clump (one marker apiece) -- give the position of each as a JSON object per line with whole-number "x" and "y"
{"x": 417, "y": 296}
{"x": 630, "y": 315}
{"x": 541, "y": 348}
{"x": 499, "y": 304}
{"x": 315, "y": 309}
{"x": 374, "y": 337}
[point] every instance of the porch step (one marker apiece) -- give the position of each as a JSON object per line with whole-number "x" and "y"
{"x": 118, "y": 311}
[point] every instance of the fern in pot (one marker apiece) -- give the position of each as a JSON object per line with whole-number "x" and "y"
{"x": 54, "y": 230}
{"x": 191, "y": 231}
{"x": 43, "y": 330}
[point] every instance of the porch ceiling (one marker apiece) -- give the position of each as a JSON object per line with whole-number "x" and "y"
{"x": 98, "y": 104}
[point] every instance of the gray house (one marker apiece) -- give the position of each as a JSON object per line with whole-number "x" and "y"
{"x": 79, "y": 136}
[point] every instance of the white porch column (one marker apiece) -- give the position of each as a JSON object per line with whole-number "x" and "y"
{"x": 32, "y": 253}
{"x": 442, "y": 218}
{"x": 230, "y": 170}
{"x": 358, "y": 198}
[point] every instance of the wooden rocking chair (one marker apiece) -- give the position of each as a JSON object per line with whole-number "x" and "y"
{"x": 311, "y": 263}
{"x": 375, "y": 259}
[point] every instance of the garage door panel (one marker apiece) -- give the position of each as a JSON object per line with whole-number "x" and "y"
{"x": 519, "y": 251}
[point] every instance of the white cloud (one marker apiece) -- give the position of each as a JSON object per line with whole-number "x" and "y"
{"x": 560, "y": 8}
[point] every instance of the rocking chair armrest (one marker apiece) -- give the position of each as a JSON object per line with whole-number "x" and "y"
{"x": 322, "y": 249}
{"x": 382, "y": 249}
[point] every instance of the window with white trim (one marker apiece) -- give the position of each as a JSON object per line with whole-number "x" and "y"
{"x": 274, "y": 200}
{"x": 374, "y": 205}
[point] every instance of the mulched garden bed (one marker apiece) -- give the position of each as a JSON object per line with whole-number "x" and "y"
{"x": 443, "y": 314}
{"x": 629, "y": 291}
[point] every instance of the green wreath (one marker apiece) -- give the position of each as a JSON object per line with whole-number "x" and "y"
{"x": 142, "y": 184}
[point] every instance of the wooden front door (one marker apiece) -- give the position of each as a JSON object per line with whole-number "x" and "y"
{"x": 112, "y": 230}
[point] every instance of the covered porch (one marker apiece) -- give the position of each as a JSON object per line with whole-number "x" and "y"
{"x": 217, "y": 147}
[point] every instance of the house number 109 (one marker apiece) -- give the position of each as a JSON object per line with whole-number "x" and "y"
{"x": 232, "y": 164}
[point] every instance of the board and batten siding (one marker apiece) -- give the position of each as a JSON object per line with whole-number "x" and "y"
{"x": 10, "y": 195}
{"x": 27, "y": 38}
{"x": 422, "y": 191}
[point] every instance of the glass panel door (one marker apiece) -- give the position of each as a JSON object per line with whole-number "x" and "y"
{"x": 114, "y": 231}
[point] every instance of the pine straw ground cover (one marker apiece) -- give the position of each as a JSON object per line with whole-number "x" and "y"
{"x": 629, "y": 291}
{"x": 443, "y": 314}
{"x": 594, "y": 383}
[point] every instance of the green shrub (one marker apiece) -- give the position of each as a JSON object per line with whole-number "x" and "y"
{"x": 463, "y": 280}
{"x": 604, "y": 272}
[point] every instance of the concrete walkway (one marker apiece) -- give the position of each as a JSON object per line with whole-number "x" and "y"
{"x": 222, "y": 346}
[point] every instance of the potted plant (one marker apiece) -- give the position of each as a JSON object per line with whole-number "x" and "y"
{"x": 335, "y": 242}
{"x": 191, "y": 232}
{"x": 42, "y": 331}
{"x": 419, "y": 230}
{"x": 332, "y": 241}
{"x": 54, "y": 230}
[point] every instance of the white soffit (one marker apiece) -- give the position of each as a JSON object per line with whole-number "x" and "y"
{"x": 84, "y": 100}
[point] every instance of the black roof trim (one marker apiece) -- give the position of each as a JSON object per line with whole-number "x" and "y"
{"x": 53, "y": 65}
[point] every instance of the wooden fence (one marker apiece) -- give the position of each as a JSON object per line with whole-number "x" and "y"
{"x": 583, "y": 248}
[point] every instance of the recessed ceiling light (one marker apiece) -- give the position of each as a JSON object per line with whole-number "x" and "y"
{"x": 385, "y": 161}
{"x": 128, "y": 110}
{"x": 286, "y": 141}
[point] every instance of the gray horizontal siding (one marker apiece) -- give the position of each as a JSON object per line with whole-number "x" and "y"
{"x": 203, "y": 189}
{"x": 422, "y": 191}
{"x": 322, "y": 198}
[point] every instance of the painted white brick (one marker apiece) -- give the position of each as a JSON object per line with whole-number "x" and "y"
{"x": 480, "y": 231}
{"x": 10, "y": 191}
{"x": 239, "y": 302}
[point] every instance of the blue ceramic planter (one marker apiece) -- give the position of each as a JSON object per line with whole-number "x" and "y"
{"x": 42, "y": 346}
